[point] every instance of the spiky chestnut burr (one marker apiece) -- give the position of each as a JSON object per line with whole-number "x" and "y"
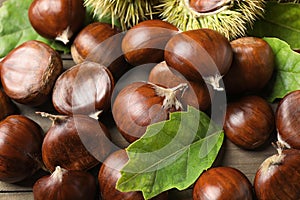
{"x": 229, "y": 17}
{"x": 129, "y": 12}
{"x": 287, "y": 1}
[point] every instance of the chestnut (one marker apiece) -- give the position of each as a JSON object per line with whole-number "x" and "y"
{"x": 20, "y": 148}
{"x": 101, "y": 43}
{"x": 76, "y": 142}
{"x": 287, "y": 119}
{"x": 249, "y": 122}
{"x": 197, "y": 94}
{"x": 83, "y": 89}
{"x": 201, "y": 54}
{"x": 145, "y": 42}
{"x": 278, "y": 177}
{"x": 201, "y": 6}
{"x": 7, "y": 107}
{"x": 29, "y": 71}
{"x": 109, "y": 174}
{"x": 65, "y": 184}
{"x": 222, "y": 183}
{"x": 140, "y": 104}
{"x": 252, "y": 66}
{"x": 57, "y": 19}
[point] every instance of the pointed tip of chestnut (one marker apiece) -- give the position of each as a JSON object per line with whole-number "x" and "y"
{"x": 65, "y": 36}
{"x": 58, "y": 20}
{"x": 197, "y": 94}
{"x": 287, "y": 124}
{"x": 65, "y": 184}
{"x": 140, "y": 104}
{"x": 76, "y": 142}
{"x": 201, "y": 54}
{"x": 278, "y": 176}
{"x": 53, "y": 118}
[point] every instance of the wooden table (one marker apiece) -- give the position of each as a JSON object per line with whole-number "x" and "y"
{"x": 246, "y": 161}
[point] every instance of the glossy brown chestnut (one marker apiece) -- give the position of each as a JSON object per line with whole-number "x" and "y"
{"x": 222, "y": 183}
{"x": 145, "y": 42}
{"x": 252, "y": 65}
{"x": 65, "y": 184}
{"x": 7, "y": 107}
{"x": 140, "y": 104}
{"x": 278, "y": 177}
{"x": 57, "y": 19}
{"x": 83, "y": 89}
{"x": 288, "y": 119}
{"x": 28, "y": 72}
{"x": 20, "y": 148}
{"x": 76, "y": 142}
{"x": 101, "y": 43}
{"x": 109, "y": 174}
{"x": 199, "y": 54}
{"x": 197, "y": 94}
{"x": 249, "y": 122}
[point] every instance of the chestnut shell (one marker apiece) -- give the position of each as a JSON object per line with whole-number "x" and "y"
{"x": 206, "y": 6}
{"x": 136, "y": 106}
{"x": 197, "y": 94}
{"x": 278, "y": 177}
{"x": 75, "y": 143}
{"x": 28, "y": 72}
{"x": 7, "y": 107}
{"x": 249, "y": 122}
{"x": 288, "y": 119}
{"x": 83, "y": 89}
{"x": 199, "y": 53}
{"x": 145, "y": 42}
{"x": 222, "y": 183}
{"x": 20, "y": 148}
{"x": 65, "y": 184}
{"x": 52, "y": 18}
{"x": 109, "y": 174}
{"x": 252, "y": 66}
{"x": 101, "y": 43}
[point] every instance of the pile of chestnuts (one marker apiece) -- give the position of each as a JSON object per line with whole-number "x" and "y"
{"x": 188, "y": 68}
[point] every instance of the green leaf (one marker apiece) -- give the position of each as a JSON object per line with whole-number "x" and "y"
{"x": 16, "y": 29}
{"x": 171, "y": 154}
{"x": 286, "y": 77}
{"x": 281, "y": 20}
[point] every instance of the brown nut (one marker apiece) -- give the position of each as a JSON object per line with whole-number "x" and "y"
{"x": 28, "y": 72}
{"x": 65, "y": 184}
{"x": 109, "y": 174}
{"x": 7, "y": 107}
{"x": 100, "y": 43}
{"x": 57, "y": 19}
{"x": 145, "y": 42}
{"x": 76, "y": 142}
{"x": 197, "y": 94}
{"x": 20, "y": 148}
{"x": 83, "y": 89}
